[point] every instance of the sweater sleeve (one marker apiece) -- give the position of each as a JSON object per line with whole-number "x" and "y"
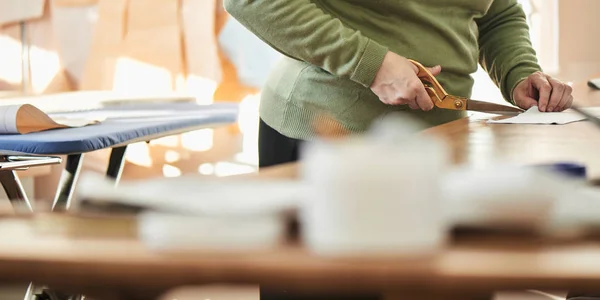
{"x": 303, "y": 31}
{"x": 505, "y": 48}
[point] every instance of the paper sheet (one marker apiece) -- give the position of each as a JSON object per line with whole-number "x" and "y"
{"x": 534, "y": 116}
{"x": 26, "y": 118}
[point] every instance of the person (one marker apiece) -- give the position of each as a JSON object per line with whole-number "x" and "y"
{"x": 348, "y": 60}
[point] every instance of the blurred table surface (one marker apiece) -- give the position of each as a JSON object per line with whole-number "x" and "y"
{"x": 95, "y": 264}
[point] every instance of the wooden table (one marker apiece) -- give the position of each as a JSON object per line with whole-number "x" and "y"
{"x": 123, "y": 265}
{"x": 475, "y": 143}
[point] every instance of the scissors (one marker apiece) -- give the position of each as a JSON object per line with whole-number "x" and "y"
{"x": 444, "y": 100}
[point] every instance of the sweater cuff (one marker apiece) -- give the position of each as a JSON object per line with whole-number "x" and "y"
{"x": 514, "y": 77}
{"x": 369, "y": 63}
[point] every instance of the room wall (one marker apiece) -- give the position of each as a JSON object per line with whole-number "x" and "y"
{"x": 579, "y": 46}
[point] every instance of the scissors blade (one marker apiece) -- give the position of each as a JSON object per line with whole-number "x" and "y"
{"x": 492, "y": 108}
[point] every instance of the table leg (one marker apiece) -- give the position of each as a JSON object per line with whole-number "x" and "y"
{"x": 68, "y": 180}
{"x": 15, "y": 192}
{"x": 115, "y": 164}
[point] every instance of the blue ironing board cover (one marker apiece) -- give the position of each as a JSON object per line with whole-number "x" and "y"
{"x": 124, "y": 123}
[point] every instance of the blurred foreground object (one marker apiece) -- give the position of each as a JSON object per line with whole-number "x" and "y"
{"x": 594, "y": 83}
{"x": 20, "y": 10}
{"x": 361, "y": 191}
{"x": 504, "y": 196}
{"x": 217, "y": 292}
{"x": 190, "y": 214}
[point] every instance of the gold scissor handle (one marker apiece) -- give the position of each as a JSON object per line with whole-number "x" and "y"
{"x": 435, "y": 90}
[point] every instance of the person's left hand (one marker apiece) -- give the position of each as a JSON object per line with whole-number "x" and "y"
{"x": 543, "y": 91}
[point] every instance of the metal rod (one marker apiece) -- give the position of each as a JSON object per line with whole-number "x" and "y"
{"x": 115, "y": 163}
{"x": 15, "y": 192}
{"x": 68, "y": 180}
{"x": 30, "y": 293}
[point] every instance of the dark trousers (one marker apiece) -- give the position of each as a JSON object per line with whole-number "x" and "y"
{"x": 274, "y": 149}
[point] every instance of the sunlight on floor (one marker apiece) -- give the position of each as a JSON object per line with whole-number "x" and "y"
{"x": 199, "y": 140}
{"x": 171, "y": 171}
{"x": 139, "y": 154}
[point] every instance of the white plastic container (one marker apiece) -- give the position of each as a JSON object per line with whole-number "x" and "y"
{"x": 374, "y": 198}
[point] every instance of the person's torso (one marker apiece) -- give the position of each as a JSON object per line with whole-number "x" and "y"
{"x": 433, "y": 32}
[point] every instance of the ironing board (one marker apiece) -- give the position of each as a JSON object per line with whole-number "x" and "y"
{"x": 123, "y": 125}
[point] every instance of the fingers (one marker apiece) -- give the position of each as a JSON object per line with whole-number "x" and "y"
{"x": 549, "y": 94}
{"x": 527, "y": 103}
{"x": 422, "y": 99}
{"x": 540, "y": 82}
{"x": 556, "y": 96}
{"x": 523, "y": 95}
{"x": 400, "y": 84}
{"x": 569, "y": 102}
{"x": 566, "y": 100}
{"x": 435, "y": 71}
{"x": 414, "y": 96}
{"x": 412, "y": 104}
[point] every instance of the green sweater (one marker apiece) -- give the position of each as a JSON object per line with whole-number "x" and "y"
{"x": 334, "y": 48}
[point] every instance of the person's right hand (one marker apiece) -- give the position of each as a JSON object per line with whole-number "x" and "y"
{"x": 396, "y": 83}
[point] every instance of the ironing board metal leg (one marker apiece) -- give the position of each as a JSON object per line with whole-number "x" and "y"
{"x": 30, "y": 293}
{"x": 14, "y": 191}
{"x": 116, "y": 162}
{"x": 68, "y": 180}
